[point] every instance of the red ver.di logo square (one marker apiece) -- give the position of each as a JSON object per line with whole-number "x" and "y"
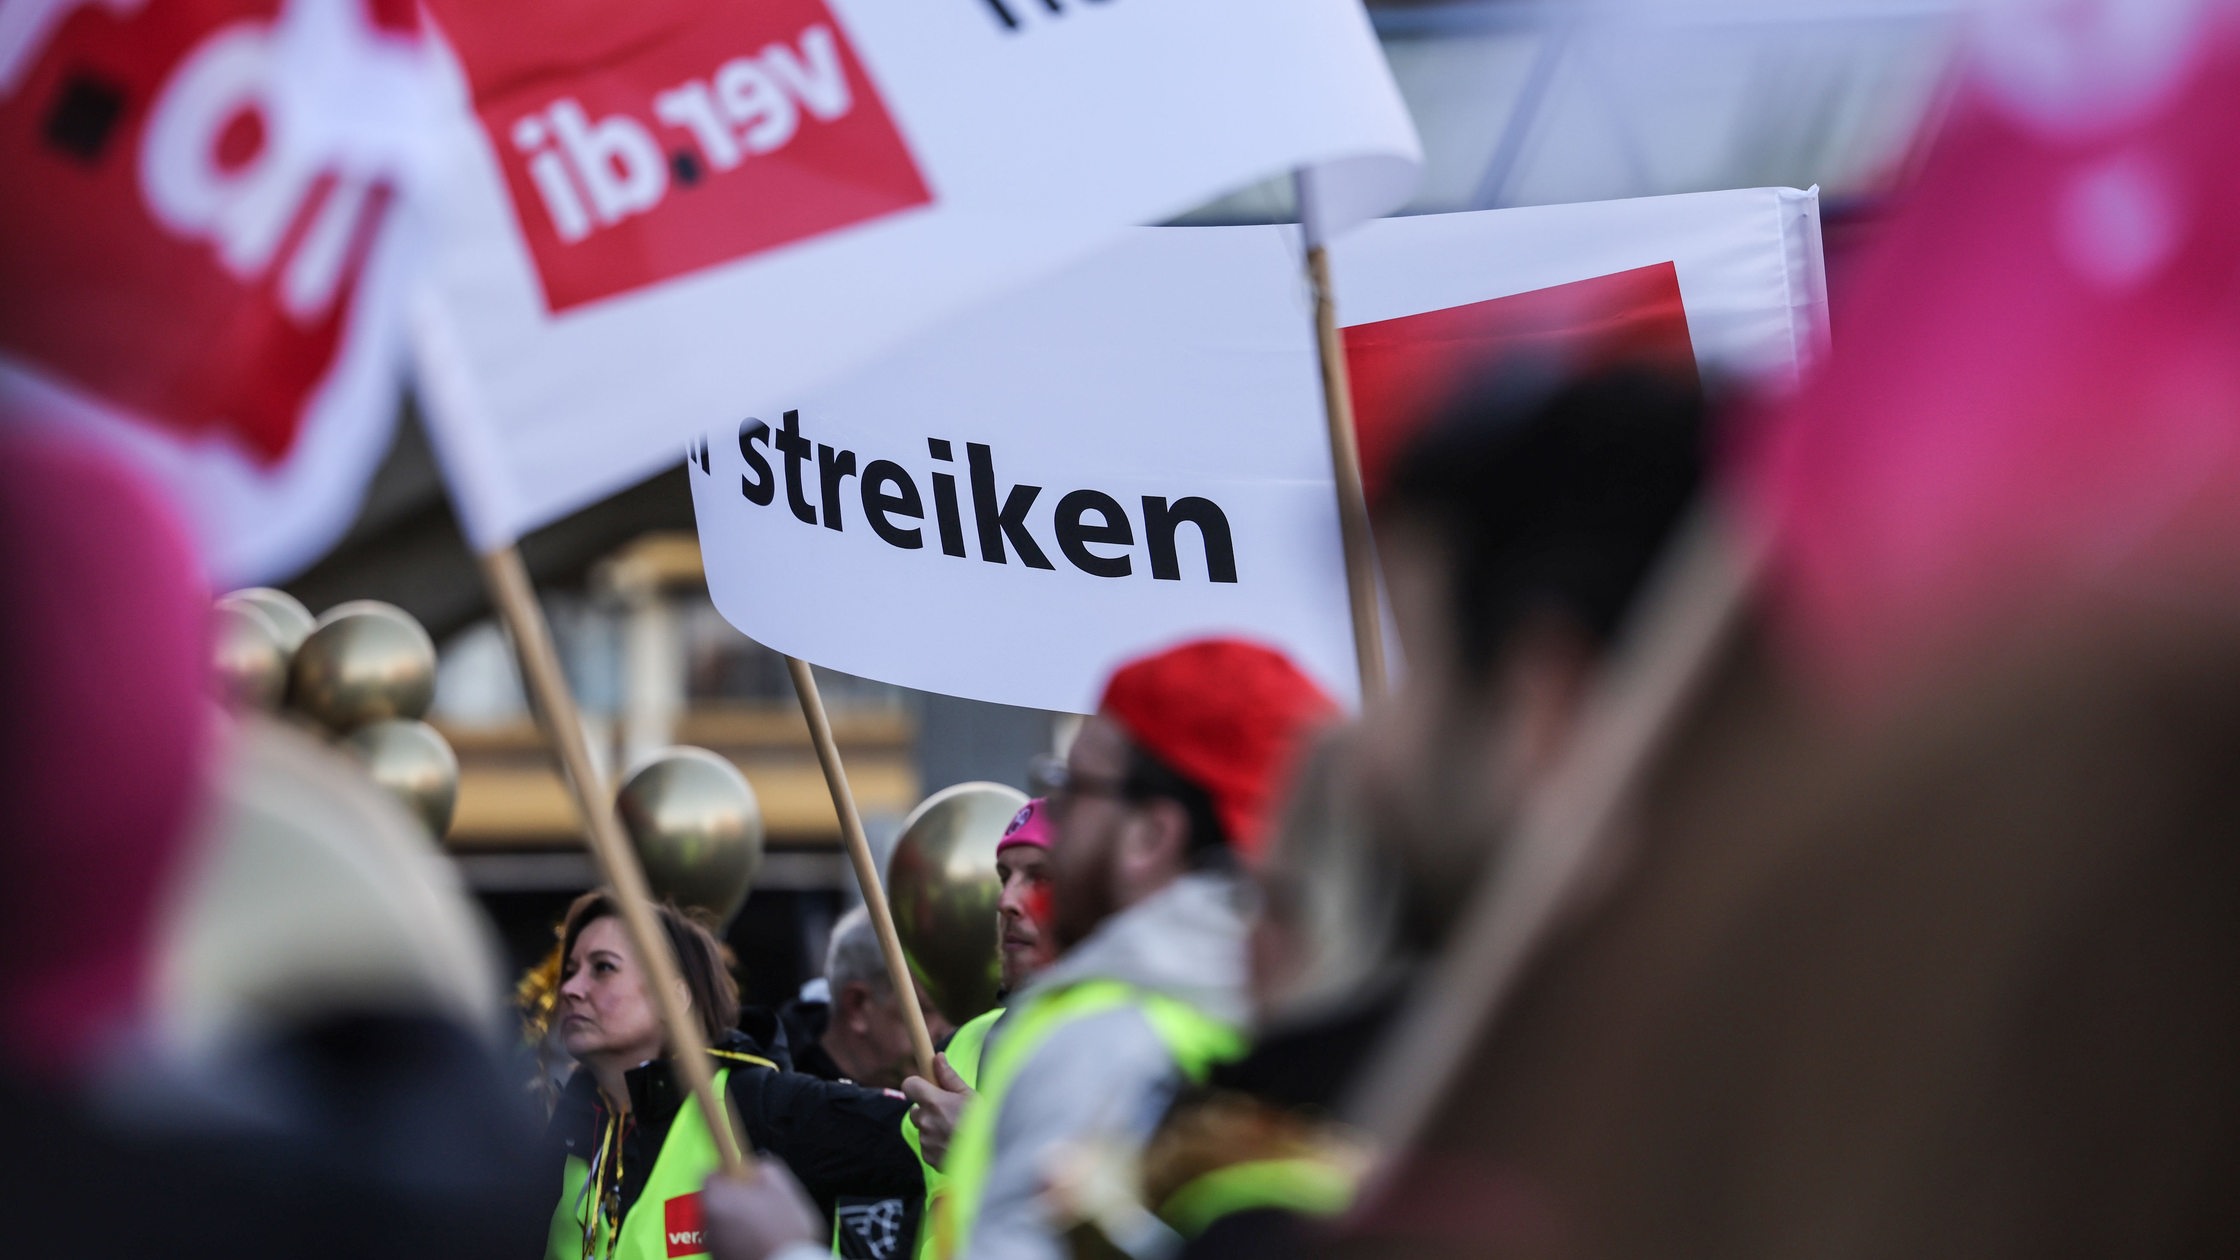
{"x": 701, "y": 134}
{"x": 681, "y": 1226}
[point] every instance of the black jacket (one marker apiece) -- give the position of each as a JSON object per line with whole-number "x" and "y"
{"x": 843, "y": 1142}
{"x": 356, "y": 1137}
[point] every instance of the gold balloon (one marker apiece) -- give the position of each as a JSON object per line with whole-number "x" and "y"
{"x": 697, "y": 827}
{"x": 289, "y": 616}
{"x": 246, "y": 652}
{"x": 366, "y": 661}
{"x": 412, "y": 761}
{"x": 942, "y": 885}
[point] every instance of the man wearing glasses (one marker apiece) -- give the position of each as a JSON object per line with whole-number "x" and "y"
{"x": 1165, "y": 790}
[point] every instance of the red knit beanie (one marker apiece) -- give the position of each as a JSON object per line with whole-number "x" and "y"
{"x": 1225, "y": 714}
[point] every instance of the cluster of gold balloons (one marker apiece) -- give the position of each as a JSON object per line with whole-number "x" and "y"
{"x": 364, "y": 672}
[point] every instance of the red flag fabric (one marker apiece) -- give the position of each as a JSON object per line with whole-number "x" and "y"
{"x": 2036, "y": 394}
{"x": 195, "y": 193}
{"x": 1405, "y": 371}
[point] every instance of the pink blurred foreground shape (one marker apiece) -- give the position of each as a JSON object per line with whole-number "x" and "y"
{"x": 2036, "y": 396}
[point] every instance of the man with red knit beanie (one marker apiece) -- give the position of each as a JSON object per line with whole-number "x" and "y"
{"x": 1166, "y": 790}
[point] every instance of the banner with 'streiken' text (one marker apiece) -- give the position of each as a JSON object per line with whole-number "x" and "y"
{"x": 1132, "y": 452}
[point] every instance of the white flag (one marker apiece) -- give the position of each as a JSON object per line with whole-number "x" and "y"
{"x": 661, "y": 214}
{"x": 1133, "y": 453}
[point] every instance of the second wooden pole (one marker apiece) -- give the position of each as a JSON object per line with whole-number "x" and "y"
{"x": 1345, "y": 455}
{"x": 859, "y": 853}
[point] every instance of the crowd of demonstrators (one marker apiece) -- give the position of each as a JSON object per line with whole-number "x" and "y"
{"x": 866, "y": 1037}
{"x": 1875, "y": 993}
{"x": 1867, "y": 992}
{"x": 1963, "y": 979}
{"x": 1191, "y": 985}
{"x": 1165, "y": 792}
{"x": 851, "y": 1180}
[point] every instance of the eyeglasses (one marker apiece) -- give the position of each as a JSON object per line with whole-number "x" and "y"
{"x": 1064, "y": 786}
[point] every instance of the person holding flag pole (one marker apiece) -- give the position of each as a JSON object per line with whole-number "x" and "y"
{"x": 531, "y": 637}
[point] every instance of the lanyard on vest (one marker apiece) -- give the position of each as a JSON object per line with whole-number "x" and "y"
{"x": 602, "y": 1184}
{"x": 601, "y": 1191}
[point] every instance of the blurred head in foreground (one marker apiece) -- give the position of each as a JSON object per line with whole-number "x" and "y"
{"x": 1515, "y": 535}
{"x": 107, "y": 722}
{"x": 1327, "y": 900}
{"x": 1177, "y": 772}
{"x": 1965, "y": 979}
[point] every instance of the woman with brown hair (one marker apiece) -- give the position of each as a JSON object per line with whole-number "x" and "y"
{"x": 635, "y": 1151}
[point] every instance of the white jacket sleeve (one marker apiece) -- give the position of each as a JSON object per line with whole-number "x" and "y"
{"x": 1106, "y": 1076}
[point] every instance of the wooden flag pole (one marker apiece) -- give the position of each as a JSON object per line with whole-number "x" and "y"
{"x": 859, "y": 853}
{"x": 523, "y": 617}
{"x": 1345, "y": 453}
{"x": 1567, "y": 830}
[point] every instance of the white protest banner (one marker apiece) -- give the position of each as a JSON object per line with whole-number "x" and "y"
{"x": 200, "y": 247}
{"x": 1132, "y": 452}
{"x": 661, "y": 213}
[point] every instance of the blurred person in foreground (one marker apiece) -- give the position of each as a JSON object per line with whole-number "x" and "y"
{"x": 1165, "y": 788}
{"x": 1964, "y": 981}
{"x": 195, "y": 1059}
{"x": 633, "y": 1147}
{"x": 866, "y": 1037}
{"x": 1515, "y": 536}
{"x": 1516, "y": 533}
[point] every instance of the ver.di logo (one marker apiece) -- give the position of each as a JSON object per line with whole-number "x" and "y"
{"x": 740, "y": 129}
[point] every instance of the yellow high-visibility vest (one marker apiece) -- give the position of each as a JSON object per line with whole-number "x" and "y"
{"x": 963, "y": 1054}
{"x": 1195, "y": 1039}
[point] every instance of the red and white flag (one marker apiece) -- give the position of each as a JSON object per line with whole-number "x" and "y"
{"x": 659, "y": 215}
{"x": 1133, "y": 452}
{"x": 199, "y": 248}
